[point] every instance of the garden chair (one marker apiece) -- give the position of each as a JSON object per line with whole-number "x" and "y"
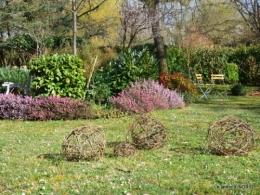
{"x": 205, "y": 91}
{"x": 199, "y": 78}
{"x": 221, "y": 78}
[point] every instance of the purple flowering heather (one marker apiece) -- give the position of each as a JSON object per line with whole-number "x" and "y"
{"x": 14, "y": 107}
{"x": 145, "y": 96}
{"x": 42, "y": 108}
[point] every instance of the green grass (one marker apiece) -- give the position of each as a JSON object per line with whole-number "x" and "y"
{"x": 31, "y": 161}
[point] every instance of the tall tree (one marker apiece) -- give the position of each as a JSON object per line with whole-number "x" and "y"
{"x": 38, "y": 19}
{"x": 154, "y": 17}
{"x": 160, "y": 14}
{"x": 74, "y": 14}
{"x": 94, "y": 18}
{"x": 218, "y": 21}
{"x": 134, "y": 22}
{"x": 250, "y": 11}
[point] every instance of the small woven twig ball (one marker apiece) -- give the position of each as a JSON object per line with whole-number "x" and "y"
{"x": 148, "y": 133}
{"x": 230, "y": 136}
{"x": 86, "y": 142}
{"x": 124, "y": 149}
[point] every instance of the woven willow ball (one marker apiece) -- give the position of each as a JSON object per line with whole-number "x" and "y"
{"x": 86, "y": 142}
{"x": 230, "y": 136}
{"x": 124, "y": 149}
{"x": 148, "y": 133}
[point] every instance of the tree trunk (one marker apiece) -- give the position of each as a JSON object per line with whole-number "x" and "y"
{"x": 158, "y": 38}
{"x": 74, "y": 12}
{"x": 159, "y": 44}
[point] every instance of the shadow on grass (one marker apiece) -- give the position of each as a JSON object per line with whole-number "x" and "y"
{"x": 246, "y": 103}
{"x": 55, "y": 158}
{"x": 113, "y": 144}
{"x": 190, "y": 150}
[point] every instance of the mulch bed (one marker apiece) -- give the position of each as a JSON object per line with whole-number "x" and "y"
{"x": 254, "y": 93}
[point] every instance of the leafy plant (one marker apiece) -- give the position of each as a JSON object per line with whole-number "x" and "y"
{"x": 238, "y": 89}
{"x": 100, "y": 90}
{"x": 145, "y": 96}
{"x": 231, "y": 73}
{"x": 58, "y": 75}
{"x": 132, "y": 65}
{"x": 177, "y": 61}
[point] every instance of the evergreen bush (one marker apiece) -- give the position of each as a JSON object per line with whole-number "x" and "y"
{"x": 131, "y": 65}
{"x": 238, "y": 90}
{"x": 177, "y": 60}
{"x": 58, "y": 75}
{"x": 231, "y": 73}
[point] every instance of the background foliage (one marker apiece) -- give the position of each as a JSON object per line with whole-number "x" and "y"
{"x": 248, "y": 61}
{"x": 207, "y": 61}
{"x": 15, "y": 75}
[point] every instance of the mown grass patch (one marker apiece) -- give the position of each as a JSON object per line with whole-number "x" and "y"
{"x": 31, "y": 161}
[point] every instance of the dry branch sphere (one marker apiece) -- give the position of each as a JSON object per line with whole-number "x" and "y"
{"x": 86, "y": 142}
{"x": 230, "y": 136}
{"x": 124, "y": 149}
{"x": 148, "y": 133}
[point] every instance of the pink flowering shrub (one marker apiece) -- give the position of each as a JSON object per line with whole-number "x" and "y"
{"x": 145, "y": 96}
{"x": 42, "y": 108}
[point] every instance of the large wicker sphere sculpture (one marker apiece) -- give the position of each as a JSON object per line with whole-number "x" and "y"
{"x": 148, "y": 133}
{"x": 86, "y": 143}
{"x": 230, "y": 136}
{"x": 124, "y": 149}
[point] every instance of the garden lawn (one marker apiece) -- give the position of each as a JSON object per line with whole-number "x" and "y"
{"x": 31, "y": 161}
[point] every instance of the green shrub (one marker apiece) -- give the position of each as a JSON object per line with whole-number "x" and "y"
{"x": 231, "y": 73}
{"x": 58, "y": 75}
{"x": 238, "y": 90}
{"x": 132, "y": 65}
{"x": 177, "y": 61}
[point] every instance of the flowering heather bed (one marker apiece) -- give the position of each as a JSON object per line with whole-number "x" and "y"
{"x": 42, "y": 108}
{"x": 145, "y": 96}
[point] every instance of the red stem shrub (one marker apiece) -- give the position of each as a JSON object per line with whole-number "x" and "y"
{"x": 179, "y": 82}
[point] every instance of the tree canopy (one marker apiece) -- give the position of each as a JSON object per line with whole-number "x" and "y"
{"x": 30, "y": 28}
